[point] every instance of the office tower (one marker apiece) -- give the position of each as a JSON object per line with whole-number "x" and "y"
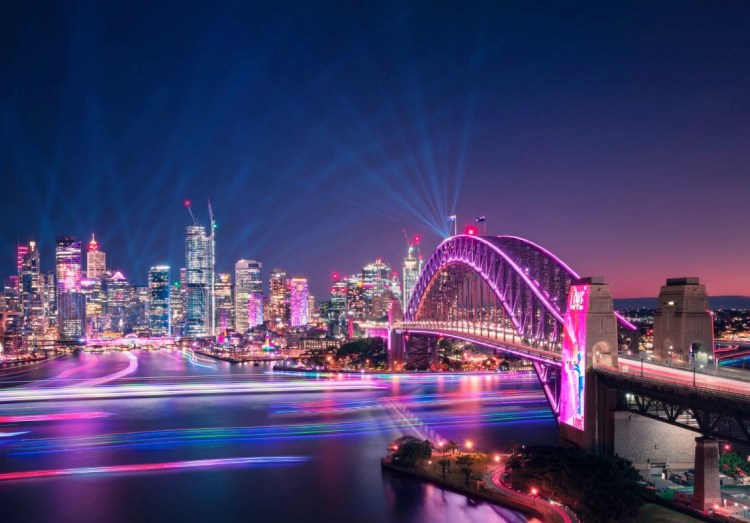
{"x": 412, "y": 270}
{"x": 159, "y": 317}
{"x": 176, "y": 308}
{"x": 338, "y": 297}
{"x": 247, "y": 281}
{"x": 71, "y": 315}
{"x": 255, "y": 309}
{"x": 95, "y": 260}
{"x": 377, "y": 282}
{"x": 31, "y": 292}
{"x": 93, "y": 290}
{"x": 223, "y": 302}
{"x": 71, "y": 304}
{"x": 299, "y": 304}
{"x": 197, "y": 306}
{"x": 355, "y": 297}
{"x": 68, "y": 264}
{"x": 119, "y": 298}
{"x": 278, "y": 303}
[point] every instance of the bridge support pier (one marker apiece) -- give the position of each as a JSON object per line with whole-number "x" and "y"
{"x": 707, "y": 489}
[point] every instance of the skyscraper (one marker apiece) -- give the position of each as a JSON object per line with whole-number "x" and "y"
{"x": 247, "y": 281}
{"x": 223, "y": 302}
{"x": 119, "y": 296}
{"x": 71, "y": 304}
{"x": 196, "y": 281}
{"x": 299, "y": 304}
{"x": 159, "y": 316}
{"x": 31, "y": 292}
{"x": 278, "y": 305}
{"x": 377, "y": 289}
{"x": 412, "y": 270}
{"x": 68, "y": 264}
{"x": 95, "y": 260}
{"x": 255, "y": 309}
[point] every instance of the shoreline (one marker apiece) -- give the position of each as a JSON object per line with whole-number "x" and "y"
{"x": 488, "y": 495}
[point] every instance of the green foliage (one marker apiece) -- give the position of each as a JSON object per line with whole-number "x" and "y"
{"x": 602, "y": 488}
{"x": 445, "y": 464}
{"x": 411, "y": 452}
{"x": 465, "y": 463}
{"x": 733, "y": 464}
{"x": 373, "y": 349}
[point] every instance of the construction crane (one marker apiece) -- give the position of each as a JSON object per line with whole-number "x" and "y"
{"x": 190, "y": 210}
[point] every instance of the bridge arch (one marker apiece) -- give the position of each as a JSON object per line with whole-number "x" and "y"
{"x": 529, "y": 286}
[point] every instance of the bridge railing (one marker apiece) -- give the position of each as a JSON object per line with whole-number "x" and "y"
{"x": 691, "y": 380}
{"x": 514, "y": 344}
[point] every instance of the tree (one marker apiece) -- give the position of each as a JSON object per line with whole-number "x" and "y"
{"x": 601, "y": 488}
{"x": 732, "y": 464}
{"x": 411, "y": 452}
{"x": 465, "y": 463}
{"x": 445, "y": 464}
{"x": 451, "y": 446}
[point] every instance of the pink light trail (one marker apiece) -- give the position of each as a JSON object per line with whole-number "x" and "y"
{"x": 147, "y": 467}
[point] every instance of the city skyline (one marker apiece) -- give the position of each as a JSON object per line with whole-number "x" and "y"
{"x": 618, "y": 158}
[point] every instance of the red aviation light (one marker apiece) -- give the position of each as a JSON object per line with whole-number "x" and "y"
{"x": 336, "y": 276}
{"x": 417, "y": 238}
{"x": 471, "y": 230}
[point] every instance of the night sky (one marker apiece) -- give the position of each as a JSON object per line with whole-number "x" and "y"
{"x": 617, "y": 135}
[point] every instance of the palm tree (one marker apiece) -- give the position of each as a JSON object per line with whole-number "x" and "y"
{"x": 451, "y": 446}
{"x": 465, "y": 463}
{"x": 445, "y": 464}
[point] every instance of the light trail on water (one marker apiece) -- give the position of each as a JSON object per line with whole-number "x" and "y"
{"x": 186, "y": 389}
{"x": 147, "y": 467}
{"x": 130, "y": 369}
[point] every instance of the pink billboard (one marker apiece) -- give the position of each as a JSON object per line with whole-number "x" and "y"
{"x": 574, "y": 357}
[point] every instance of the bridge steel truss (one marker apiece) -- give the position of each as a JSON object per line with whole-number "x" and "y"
{"x": 503, "y": 289}
{"x": 723, "y": 415}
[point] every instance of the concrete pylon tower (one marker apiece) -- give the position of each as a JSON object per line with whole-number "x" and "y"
{"x": 586, "y": 406}
{"x": 683, "y": 325}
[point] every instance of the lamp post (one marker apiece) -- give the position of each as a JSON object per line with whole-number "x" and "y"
{"x": 641, "y": 366}
{"x": 694, "y": 375}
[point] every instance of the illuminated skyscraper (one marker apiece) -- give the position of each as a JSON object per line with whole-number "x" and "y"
{"x": 68, "y": 264}
{"x": 355, "y": 297}
{"x": 338, "y": 304}
{"x": 71, "y": 315}
{"x": 299, "y": 302}
{"x": 95, "y": 260}
{"x": 31, "y": 292}
{"x": 159, "y": 317}
{"x": 377, "y": 289}
{"x": 278, "y": 304}
{"x": 71, "y": 304}
{"x": 412, "y": 270}
{"x": 247, "y": 281}
{"x": 119, "y": 298}
{"x": 176, "y": 307}
{"x": 223, "y": 303}
{"x": 197, "y": 281}
{"x": 255, "y": 309}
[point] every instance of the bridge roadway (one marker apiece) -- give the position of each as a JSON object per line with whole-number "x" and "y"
{"x": 485, "y": 334}
{"x": 708, "y": 381}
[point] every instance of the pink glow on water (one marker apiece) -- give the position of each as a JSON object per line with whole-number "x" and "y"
{"x": 146, "y": 467}
{"x": 60, "y": 416}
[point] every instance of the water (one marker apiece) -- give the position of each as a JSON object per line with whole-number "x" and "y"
{"x": 278, "y": 456}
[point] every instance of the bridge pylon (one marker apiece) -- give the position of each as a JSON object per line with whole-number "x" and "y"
{"x": 683, "y": 325}
{"x": 586, "y": 406}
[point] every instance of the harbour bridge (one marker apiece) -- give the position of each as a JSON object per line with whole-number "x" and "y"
{"x": 512, "y": 296}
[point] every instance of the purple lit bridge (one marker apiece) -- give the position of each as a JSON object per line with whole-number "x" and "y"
{"x": 515, "y": 297}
